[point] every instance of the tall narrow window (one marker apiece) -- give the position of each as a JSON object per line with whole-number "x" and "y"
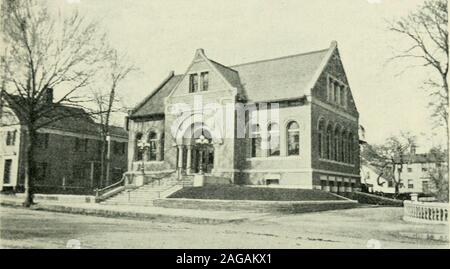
{"x": 7, "y": 171}
{"x": 341, "y": 146}
{"x": 274, "y": 139}
{"x": 204, "y": 81}
{"x": 8, "y": 138}
{"x": 344, "y": 147}
{"x": 336, "y": 144}
{"x": 138, "y": 151}
{"x": 330, "y": 89}
{"x": 161, "y": 148}
{"x": 293, "y": 138}
{"x": 152, "y": 151}
{"x": 321, "y": 139}
{"x": 350, "y": 148}
{"x": 86, "y": 144}
{"x": 255, "y": 133}
{"x": 338, "y": 94}
{"x": 193, "y": 83}
{"x": 11, "y": 138}
{"x": 329, "y": 142}
{"x": 333, "y": 92}
{"x": 344, "y": 97}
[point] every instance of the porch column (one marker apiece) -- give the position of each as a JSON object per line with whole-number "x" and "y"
{"x": 189, "y": 159}
{"x": 216, "y": 159}
{"x": 180, "y": 160}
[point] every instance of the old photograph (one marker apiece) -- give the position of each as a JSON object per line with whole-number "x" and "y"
{"x": 224, "y": 124}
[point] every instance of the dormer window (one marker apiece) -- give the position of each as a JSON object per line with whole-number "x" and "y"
{"x": 193, "y": 83}
{"x": 204, "y": 80}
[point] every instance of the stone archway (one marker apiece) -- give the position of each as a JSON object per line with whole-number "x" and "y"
{"x": 196, "y": 149}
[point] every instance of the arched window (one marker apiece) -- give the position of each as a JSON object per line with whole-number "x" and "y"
{"x": 338, "y": 93}
{"x": 344, "y": 97}
{"x": 350, "y": 148}
{"x": 138, "y": 152}
{"x": 329, "y": 142}
{"x": 321, "y": 140}
{"x": 255, "y": 136}
{"x": 344, "y": 146}
{"x": 152, "y": 150}
{"x": 336, "y": 144}
{"x": 161, "y": 147}
{"x": 274, "y": 139}
{"x": 293, "y": 138}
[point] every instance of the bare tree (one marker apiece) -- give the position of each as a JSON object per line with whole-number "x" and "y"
{"x": 47, "y": 52}
{"x": 106, "y": 101}
{"x": 427, "y": 31}
{"x": 438, "y": 174}
{"x": 391, "y": 157}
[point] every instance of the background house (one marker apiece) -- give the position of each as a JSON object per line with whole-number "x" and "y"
{"x": 67, "y": 154}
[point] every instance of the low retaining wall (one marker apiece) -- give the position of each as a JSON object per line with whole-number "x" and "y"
{"x": 425, "y": 212}
{"x": 258, "y": 206}
{"x": 372, "y": 199}
{"x": 63, "y": 198}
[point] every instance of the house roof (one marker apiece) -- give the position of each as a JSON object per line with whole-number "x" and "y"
{"x": 65, "y": 118}
{"x": 154, "y": 103}
{"x": 422, "y": 158}
{"x": 266, "y": 80}
{"x": 280, "y": 78}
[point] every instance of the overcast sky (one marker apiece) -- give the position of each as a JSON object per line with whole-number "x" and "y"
{"x": 160, "y": 36}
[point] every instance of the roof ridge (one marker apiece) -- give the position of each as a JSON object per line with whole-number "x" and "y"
{"x": 224, "y": 66}
{"x": 280, "y": 58}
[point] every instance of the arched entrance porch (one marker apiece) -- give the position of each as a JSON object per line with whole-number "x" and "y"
{"x": 195, "y": 150}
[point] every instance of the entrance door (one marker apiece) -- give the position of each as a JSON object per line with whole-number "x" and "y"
{"x": 203, "y": 159}
{"x": 7, "y": 172}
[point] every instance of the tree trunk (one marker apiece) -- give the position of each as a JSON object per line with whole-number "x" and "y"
{"x": 31, "y": 167}
{"x": 102, "y": 161}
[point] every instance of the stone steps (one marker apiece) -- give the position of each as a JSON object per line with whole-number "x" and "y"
{"x": 144, "y": 195}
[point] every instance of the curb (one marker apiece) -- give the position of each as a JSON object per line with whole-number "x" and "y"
{"x": 121, "y": 214}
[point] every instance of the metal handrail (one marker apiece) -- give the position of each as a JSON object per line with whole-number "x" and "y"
{"x": 102, "y": 190}
{"x": 154, "y": 178}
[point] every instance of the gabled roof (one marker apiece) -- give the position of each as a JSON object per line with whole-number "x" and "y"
{"x": 282, "y": 78}
{"x": 231, "y": 75}
{"x": 65, "y": 118}
{"x": 154, "y": 103}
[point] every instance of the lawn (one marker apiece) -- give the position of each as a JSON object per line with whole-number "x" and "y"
{"x": 234, "y": 192}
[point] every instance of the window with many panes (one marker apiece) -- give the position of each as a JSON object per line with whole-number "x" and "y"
{"x": 153, "y": 141}
{"x": 293, "y": 138}
{"x": 337, "y": 92}
{"x": 321, "y": 139}
{"x": 274, "y": 139}
{"x": 138, "y": 151}
{"x": 204, "y": 80}
{"x": 255, "y": 133}
{"x": 193, "y": 83}
{"x": 11, "y": 138}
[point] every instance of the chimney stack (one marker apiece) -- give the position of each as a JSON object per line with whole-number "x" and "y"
{"x": 413, "y": 149}
{"x": 48, "y": 96}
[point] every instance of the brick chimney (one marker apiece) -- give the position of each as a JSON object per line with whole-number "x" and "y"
{"x": 48, "y": 96}
{"x": 413, "y": 149}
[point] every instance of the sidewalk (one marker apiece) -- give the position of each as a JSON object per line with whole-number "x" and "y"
{"x": 137, "y": 212}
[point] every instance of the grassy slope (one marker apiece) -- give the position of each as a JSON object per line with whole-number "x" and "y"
{"x": 233, "y": 192}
